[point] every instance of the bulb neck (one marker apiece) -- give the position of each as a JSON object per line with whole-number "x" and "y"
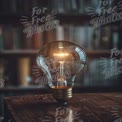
{"x": 62, "y": 95}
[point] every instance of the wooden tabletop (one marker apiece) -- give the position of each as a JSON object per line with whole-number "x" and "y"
{"x": 83, "y": 107}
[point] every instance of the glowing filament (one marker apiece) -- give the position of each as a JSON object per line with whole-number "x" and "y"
{"x": 61, "y": 81}
{"x": 61, "y": 54}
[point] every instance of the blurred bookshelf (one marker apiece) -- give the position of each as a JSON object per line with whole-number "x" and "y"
{"x": 17, "y": 51}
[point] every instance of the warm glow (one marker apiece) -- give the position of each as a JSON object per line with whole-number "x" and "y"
{"x": 61, "y": 47}
{"x": 61, "y": 54}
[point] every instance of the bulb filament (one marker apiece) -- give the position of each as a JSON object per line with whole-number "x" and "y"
{"x": 61, "y": 81}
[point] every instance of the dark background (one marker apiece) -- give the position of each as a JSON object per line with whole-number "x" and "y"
{"x": 18, "y": 53}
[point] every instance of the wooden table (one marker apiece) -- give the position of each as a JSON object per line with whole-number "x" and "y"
{"x": 83, "y": 107}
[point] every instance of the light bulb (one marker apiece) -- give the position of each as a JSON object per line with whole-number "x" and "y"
{"x": 60, "y": 61}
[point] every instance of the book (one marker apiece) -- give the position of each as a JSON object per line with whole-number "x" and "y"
{"x": 90, "y": 37}
{"x": 105, "y": 37}
{"x": 17, "y": 37}
{"x": 115, "y": 40}
{"x": 60, "y": 6}
{"x": 53, "y": 5}
{"x": 2, "y": 68}
{"x": 81, "y": 7}
{"x": 50, "y": 36}
{"x": 1, "y": 38}
{"x": 71, "y": 31}
{"x": 11, "y": 70}
{"x": 27, "y": 42}
{"x": 24, "y": 71}
{"x": 67, "y": 6}
{"x": 37, "y": 40}
{"x": 74, "y": 6}
{"x": 96, "y": 39}
{"x": 60, "y": 33}
{"x": 7, "y": 37}
{"x": 115, "y": 37}
{"x": 66, "y": 33}
{"x": 80, "y": 36}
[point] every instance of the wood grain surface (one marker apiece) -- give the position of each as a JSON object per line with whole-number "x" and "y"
{"x": 83, "y": 107}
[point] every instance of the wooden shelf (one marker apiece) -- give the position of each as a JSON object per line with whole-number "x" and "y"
{"x": 89, "y": 53}
{"x": 64, "y": 18}
{"x": 23, "y": 52}
{"x": 98, "y": 53}
{"x": 18, "y": 52}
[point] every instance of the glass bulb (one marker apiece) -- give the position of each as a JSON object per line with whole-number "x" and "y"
{"x": 61, "y": 61}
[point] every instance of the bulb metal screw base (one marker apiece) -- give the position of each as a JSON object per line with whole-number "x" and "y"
{"x": 62, "y": 94}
